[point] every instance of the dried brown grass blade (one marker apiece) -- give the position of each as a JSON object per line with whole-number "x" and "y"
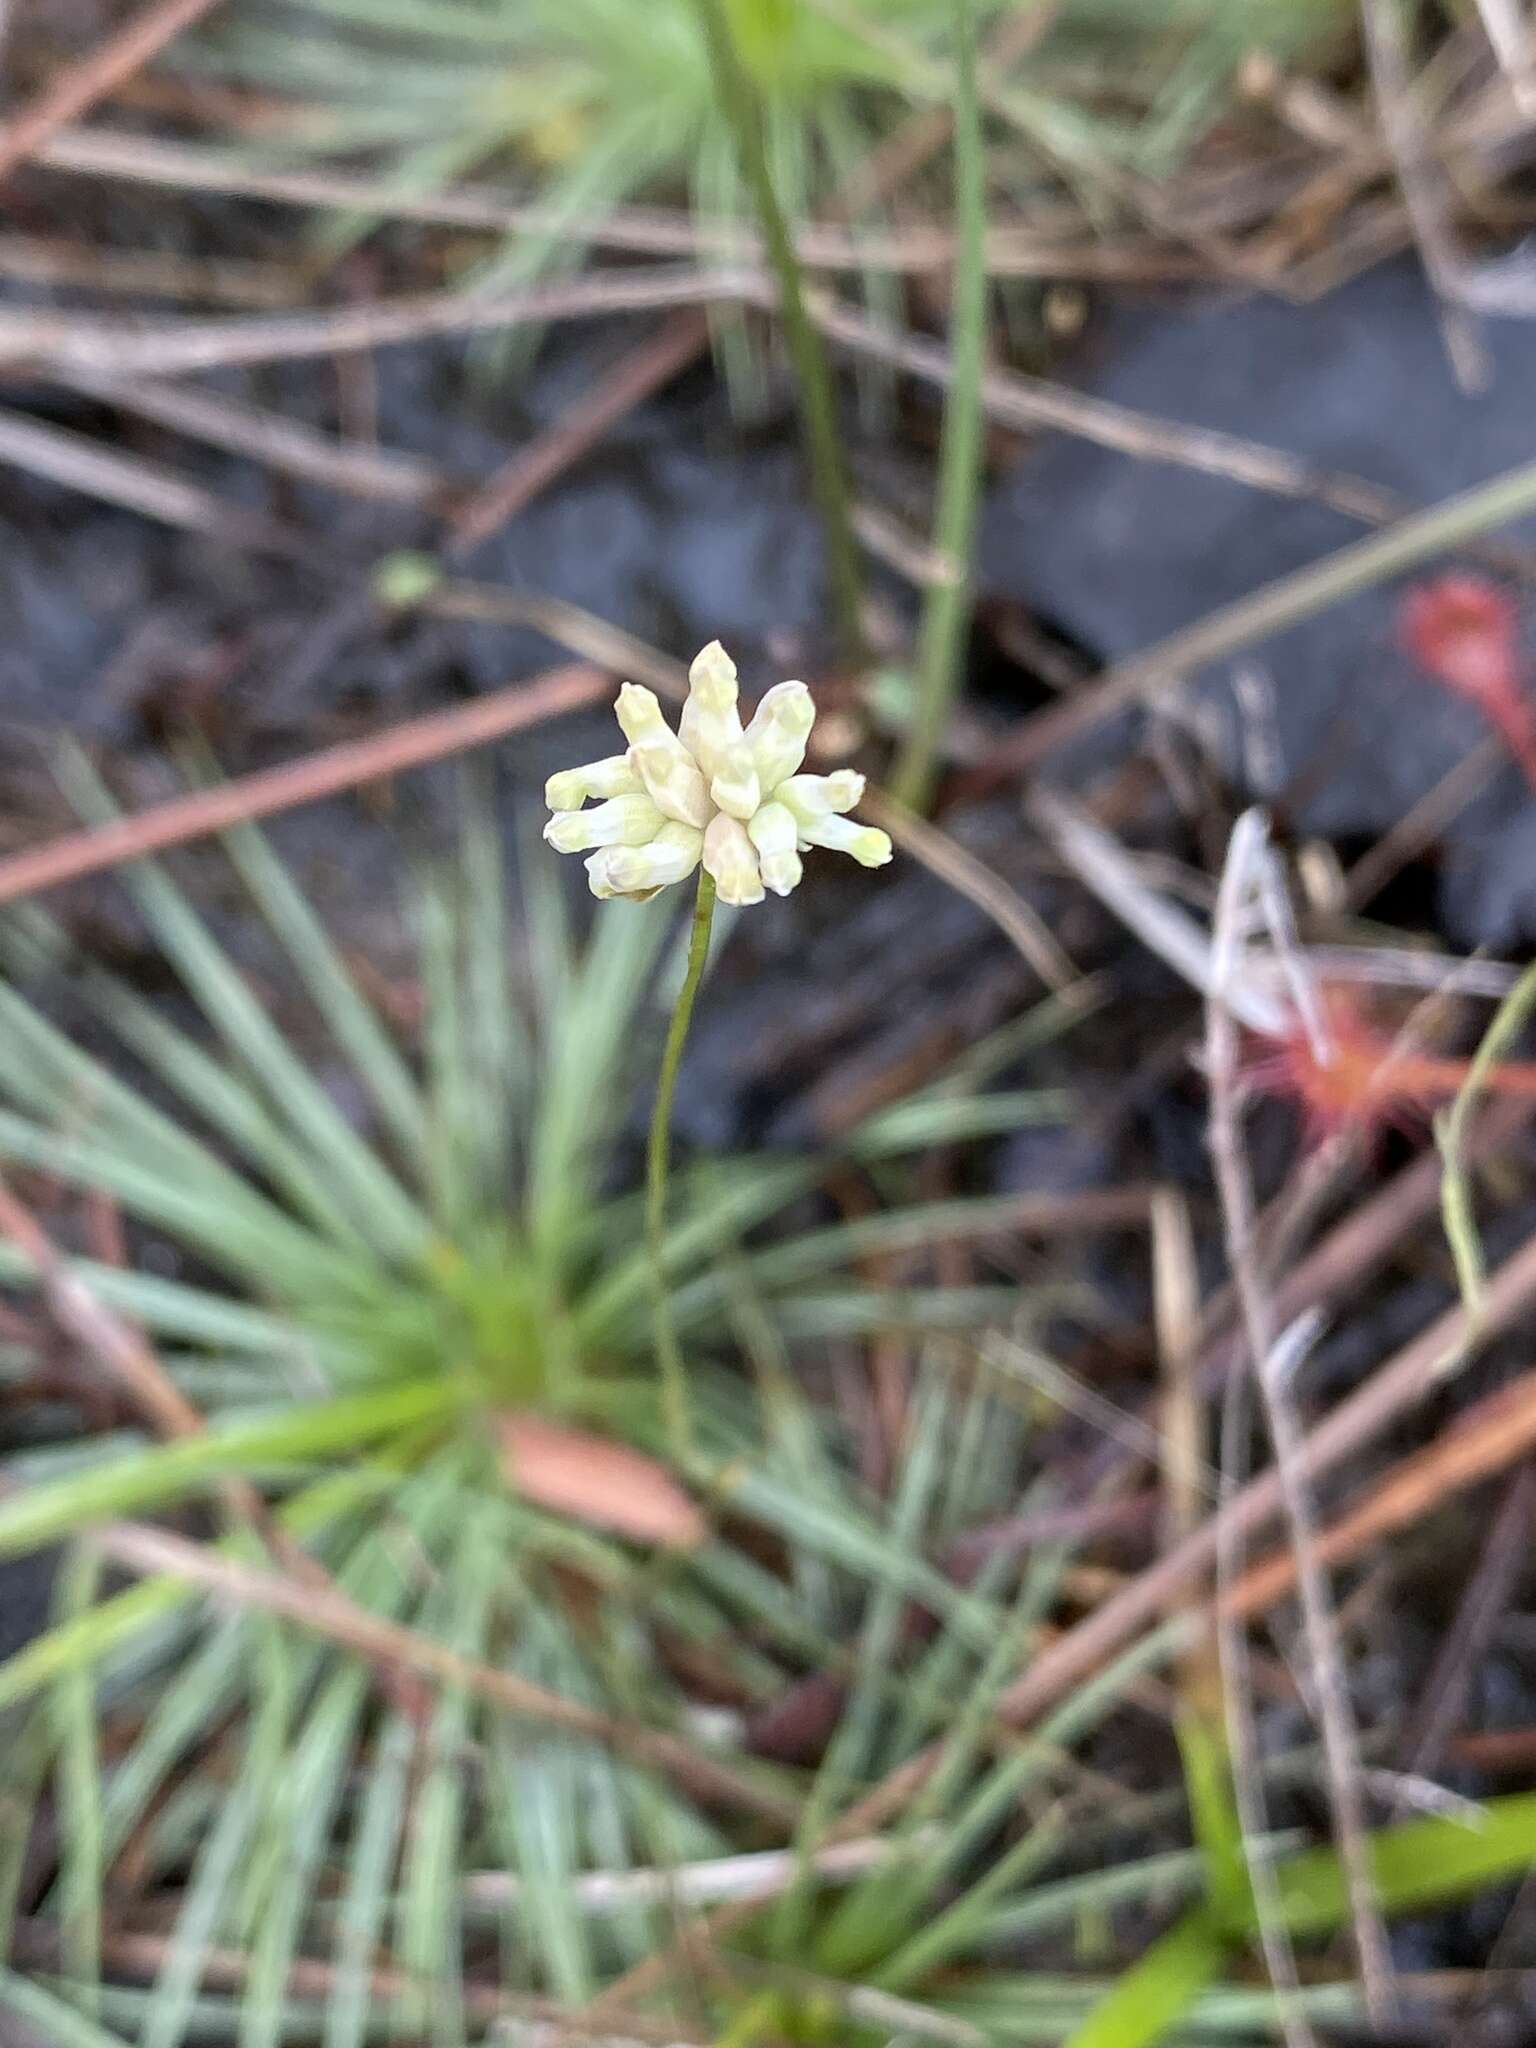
{"x": 594, "y": 1480}
{"x": 407, "y": 745}
{"x": 81, "y": 85}
{"x": 328, "y": 1612}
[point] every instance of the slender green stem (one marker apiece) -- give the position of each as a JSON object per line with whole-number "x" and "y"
{"x": 669, "y": 1356}
{"x": 947, "y": 606}
{"x": 813, "y": 372}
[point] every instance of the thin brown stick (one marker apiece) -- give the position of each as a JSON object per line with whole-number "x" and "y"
{"x": 1494, "y": 1434}
{"x": 151, "y": 273}
{"x": 1420, "y": 180}
{"x": 271, "y": 790}
{"x": 1034, "y": 403}
{"x": 270, "y": 438}
{"x": 1490, "y": 1591}
{"x": 158, "y": 493}
{"x": 1272, "y": 1360}
{"x": 1423, "y": 823}
{"x": 132, "y": 1361}
{"x": 1262, "y": 1337}
{"x": 100, "y": 1334}
{"x": 132, "y": 1954}
{"x": 973, "y": 879}
{"x": 78, "y": 88}
{"x": 663, "y": 356}
{"x": 329, "y": 1612}
{"x": 916, "y": 247}
{"x": 165, "y": 348}
{"x": 1394, "y": 1390}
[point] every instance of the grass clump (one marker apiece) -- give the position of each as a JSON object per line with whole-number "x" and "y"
{"x": 357, "y": 1307}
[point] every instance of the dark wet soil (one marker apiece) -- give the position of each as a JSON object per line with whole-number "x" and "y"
{"x": 1119, "y": 553}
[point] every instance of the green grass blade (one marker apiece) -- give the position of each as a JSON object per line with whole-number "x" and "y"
{"x": 52, "y": 2019}
{"x": 82, "y": 1863}
{"x": 947, "y": 603}
{"x": 216, "y": 1872}
{"x": 588, "y": 1036}
{"x": 1157, "y": 1992}
{"x": 374, "y": 1198}
{"x": 156, "y": 1476}
{"x": 500, "y": 1056}
{"x": 375, "y": 1847}
{"x": 352, "y": 1020}
{"x": 1422, "y": 1863}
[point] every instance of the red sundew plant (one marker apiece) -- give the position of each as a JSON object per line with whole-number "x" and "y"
{"x": 1465, "y": 632}
{"x": 1351, "y": 1074}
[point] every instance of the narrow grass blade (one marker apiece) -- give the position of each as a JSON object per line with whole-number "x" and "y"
{"x": 947, "y": 604}
{"x": 82, "y": 1861}
{"x": 166, "y": 1472}
{"x": 51, "y": 2018}
{"x": 362, "y": 1183}
{"x": 1157, "y": 1992}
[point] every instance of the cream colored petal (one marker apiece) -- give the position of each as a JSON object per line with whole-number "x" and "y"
{"x": 710, "y": 723}
{"x": 638, "y": 711}
{"x": 731, "y": 858}
{"x": 773, "y": 832}
{"x": 641, "y": 870}
{"x": 818, "y": 796}
{"x": 572, "y": 787}
{"x": 870, "y": 847}
{"x": 780, "y": 727}
{"x": 622, "y": 821}
{"x": 671, "y": 779}
{"x": 736, "y": 788}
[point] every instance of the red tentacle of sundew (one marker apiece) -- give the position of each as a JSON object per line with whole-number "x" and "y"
{"x": 1355, "y": 1075}
{"x": 1465, "y": 632}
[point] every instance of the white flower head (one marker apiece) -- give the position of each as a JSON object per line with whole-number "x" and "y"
{"x": 711, "y": 791}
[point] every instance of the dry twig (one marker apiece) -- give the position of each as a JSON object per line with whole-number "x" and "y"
{"x": 327, "y": 1611}
{"x": 78, "y": 88}
{"x": 406, "y": 745}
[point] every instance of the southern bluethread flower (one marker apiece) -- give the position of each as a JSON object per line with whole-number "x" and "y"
{"x": 734, "y": 798}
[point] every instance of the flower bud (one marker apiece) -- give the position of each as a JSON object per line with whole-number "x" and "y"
{"x": 672, "y": 781}
{"x": 735, "y": 787}
{"x": 622, "y": 821}
{"x": 773, "y": 832}
{"x": 571, "y": 787}
{"x": 730, "y": 858}
{"x": 779, "y": 730}
{"x": 817, "y": 796}
{"x": 638, "y": 711}
{"x": 710, "y": 724}
{"x": 640, "y": 871}
{"x": 870, "y": 847}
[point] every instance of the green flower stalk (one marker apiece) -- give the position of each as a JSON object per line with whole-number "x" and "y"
{"x": 738, "y": 100}
{"x": 728, "y": 800}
